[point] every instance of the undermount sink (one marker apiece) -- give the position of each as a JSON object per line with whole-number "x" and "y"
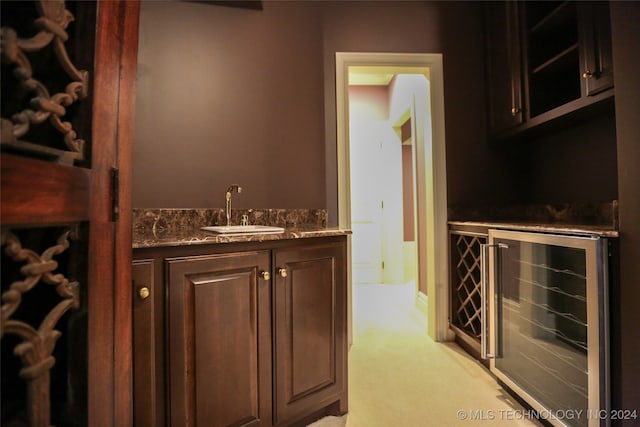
{"x": 244, "y": 229}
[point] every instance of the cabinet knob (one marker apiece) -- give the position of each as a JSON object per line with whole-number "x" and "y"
{"x": 514, "y": 111}
{"x": 587, "y": 74}
{"x": 144, "y": 292}
{"x": 282, "y": 272}
{"x": 265, "y": 275}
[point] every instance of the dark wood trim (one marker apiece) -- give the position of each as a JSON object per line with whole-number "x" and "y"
{"x": 573, "y": 112}
{"x": 57, "y": 193}
{"x": 109, "y": 329}
{"x": 145, "y": 412}
{"x": 129, "y": 18}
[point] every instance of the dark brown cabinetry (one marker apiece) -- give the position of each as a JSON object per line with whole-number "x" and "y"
{"x": 546, "y": 61}
{"x": 218, "y": 340}
{"x": 254, "y": 333}
{"x": 597, "y": 60}
{"x": 309, "y": 315}
{"x": 504, "y": 66}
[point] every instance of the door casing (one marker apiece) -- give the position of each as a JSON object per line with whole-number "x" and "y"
{"x": 430, "y": 169}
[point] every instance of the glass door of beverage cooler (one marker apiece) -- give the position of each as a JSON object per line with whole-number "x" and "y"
{"x": 546, "y": 300}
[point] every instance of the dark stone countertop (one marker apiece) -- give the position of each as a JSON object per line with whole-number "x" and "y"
{"x": 573, "y": 229}
{"x": 584, "y": 219}
{"x": 195, "y": 236}
{"x": 154, "y": 228}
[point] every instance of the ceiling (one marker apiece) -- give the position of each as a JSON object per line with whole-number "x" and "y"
{"x": 369, "y": 79}
{"x": 380, "y": 75}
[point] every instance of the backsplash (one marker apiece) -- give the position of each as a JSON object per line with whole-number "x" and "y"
{"x": 552, "y": 213}
{"x": 163, "y": 220}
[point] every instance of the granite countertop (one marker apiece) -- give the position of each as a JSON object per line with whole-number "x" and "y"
{"x": 574, "y": 229}
{"x": 584, "y": 219}
{"x": 195, "y": 236}
{"x": 154, "y": 228}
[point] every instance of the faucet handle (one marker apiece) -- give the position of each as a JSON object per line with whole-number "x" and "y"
{"x": 234, "y": 187}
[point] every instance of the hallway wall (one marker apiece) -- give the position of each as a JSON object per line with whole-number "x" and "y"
{"x": 407, "y": 89}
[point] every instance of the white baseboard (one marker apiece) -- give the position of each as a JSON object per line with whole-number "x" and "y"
{"x": 421, "y": 303}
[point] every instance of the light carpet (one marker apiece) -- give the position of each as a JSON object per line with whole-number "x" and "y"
{"x": 399, "y": 377}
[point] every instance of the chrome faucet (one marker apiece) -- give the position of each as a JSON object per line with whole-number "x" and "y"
{"x": 228, "y": 201}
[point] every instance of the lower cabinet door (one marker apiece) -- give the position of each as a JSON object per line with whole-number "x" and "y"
{"x": 309, "y": 331}
{"x": 219, "y": 340}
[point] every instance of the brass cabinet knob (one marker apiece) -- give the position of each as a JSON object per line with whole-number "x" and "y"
{"x": 265, "y": 275}
{"x": 144, "y": 292}
{"x": 515, "y": 111}
{"x": 587, "y": 74}
{"x": 282, "y": 272}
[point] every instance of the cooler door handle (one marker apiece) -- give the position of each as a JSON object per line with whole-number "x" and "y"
{"x": 484, "y": 311}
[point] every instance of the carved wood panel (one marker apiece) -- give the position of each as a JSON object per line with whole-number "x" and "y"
{"x": 41, "y": 85}
{"x": 68, "y": 98}
{"x": 33, "y": 315}
{"x": 45, "y": 127}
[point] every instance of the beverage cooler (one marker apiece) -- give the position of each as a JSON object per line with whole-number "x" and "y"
{"x": 544, "y": 311}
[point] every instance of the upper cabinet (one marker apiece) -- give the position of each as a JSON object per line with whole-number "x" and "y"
{"x": 595, "y": 33}
{"x": 545, "y": 61}
{"x": 504, "y": 66}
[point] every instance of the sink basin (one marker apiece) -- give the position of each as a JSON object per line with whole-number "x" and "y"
{"x": 244, "y": 229}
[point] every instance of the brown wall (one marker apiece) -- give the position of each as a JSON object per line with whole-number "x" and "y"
{"x": 248, "y": 97}
{"x": 229, "y": 95}
{"x": 576, "y": 164}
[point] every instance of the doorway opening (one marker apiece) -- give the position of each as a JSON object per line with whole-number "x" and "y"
{"x": 417, "y": 120}
{"x": 382, "y": 164}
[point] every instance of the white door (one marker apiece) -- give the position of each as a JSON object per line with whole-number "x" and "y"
{"x": 366, "y": 201}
